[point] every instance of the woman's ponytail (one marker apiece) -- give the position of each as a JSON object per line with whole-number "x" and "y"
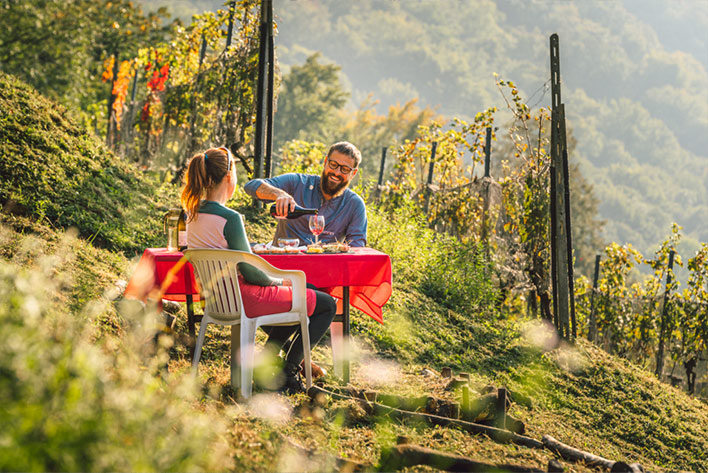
{"x": 204, "y": 171}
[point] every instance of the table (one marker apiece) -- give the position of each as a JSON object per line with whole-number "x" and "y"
{"x": 361, "y": 278}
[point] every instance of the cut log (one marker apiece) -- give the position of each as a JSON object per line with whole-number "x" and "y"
{"x": 456, "y": 383}
{"x": 427, "y": 404}
{"x": 573, "y": 454}
{"x": 379, "y": 410}
{"x": 404, "y": 456}
{"x": 480, "y": 408}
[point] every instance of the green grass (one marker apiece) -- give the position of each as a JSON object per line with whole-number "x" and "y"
{"x": 59, "y": 174}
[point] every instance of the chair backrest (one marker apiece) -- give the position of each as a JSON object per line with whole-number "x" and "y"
{"x": 217, "y": 273}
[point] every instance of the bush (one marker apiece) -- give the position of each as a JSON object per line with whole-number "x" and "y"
{"x": 458, "y": 276}
{"x": 68, "y": 405}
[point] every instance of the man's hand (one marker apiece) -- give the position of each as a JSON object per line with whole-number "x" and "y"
{"x": 284, "y": 204}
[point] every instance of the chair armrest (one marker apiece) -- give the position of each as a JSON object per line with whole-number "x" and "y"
{"x": 299, "y": 285}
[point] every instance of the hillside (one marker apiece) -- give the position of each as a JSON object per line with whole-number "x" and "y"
{"x": 82, "y": 392}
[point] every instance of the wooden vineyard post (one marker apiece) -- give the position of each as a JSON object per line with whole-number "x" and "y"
{"x": 500, "y": 409}
{"x": 130, "y": 133}
{"x": 264, "y": 107}
{"x": 379, "y": 183}
{"x": 230, "y": 30}
{"x": 592, "y": 329}
{"x": 202, "y": 52}
{"x": 268, "y": 163}
{"x": 664, "y": 312}
{"x": 487, "y": 188}
{"x": 561, "y": 242}
{"x": 568, "y": 230}
{"x": 111, "y": 128}
{"x": 430, "y": 177}
{"x": 487, "y": 152}
{"x": 193, "y": 119}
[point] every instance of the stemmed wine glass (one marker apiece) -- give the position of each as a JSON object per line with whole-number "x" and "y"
{"x": 317, "y": 224}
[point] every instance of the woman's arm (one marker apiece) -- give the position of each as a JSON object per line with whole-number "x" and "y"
{"x": 235, "y": 234}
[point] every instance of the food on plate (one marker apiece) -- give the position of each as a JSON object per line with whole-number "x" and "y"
{"x": 337, "y": 247}
{"x": 261, "y": 249}
{"x": 328, "y": 248}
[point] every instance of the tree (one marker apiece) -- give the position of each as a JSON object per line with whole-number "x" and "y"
{"x": 59, "y": 46}
{"x": 370, "y": 132}
{"x": 309, "y": 100}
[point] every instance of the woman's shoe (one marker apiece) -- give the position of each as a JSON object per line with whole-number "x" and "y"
{"x": 317, "y": 371}
{"x": 293, "y": 382}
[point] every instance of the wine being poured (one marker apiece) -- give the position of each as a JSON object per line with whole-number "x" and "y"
{"x": 317, "y": 224}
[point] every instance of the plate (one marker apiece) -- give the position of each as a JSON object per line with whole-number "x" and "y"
{"x": 329, "y": 251}
{"x": 267, "y": 249}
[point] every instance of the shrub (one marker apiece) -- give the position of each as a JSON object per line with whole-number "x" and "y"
{"x": 458, "y": 276}
{"x": 68, "y": 405}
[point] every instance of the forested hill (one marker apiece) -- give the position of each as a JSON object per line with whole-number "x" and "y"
{"x": 633, "y": 75}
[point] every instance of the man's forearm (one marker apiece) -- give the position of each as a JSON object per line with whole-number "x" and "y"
{"x": 284, "y": 202}
{"x": 267, "y": 192}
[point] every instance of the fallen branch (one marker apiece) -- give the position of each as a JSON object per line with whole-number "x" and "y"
{"x": 575, "y": 455}
{"x": 404, "y": 456}
{"x": 379, "y": 410}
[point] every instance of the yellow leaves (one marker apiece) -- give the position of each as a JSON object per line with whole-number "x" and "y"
{"x": 108, "y": 64}
{"x": 120, "y": 89}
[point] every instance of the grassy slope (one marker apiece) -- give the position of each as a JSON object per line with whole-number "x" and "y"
{"x": 56, "y": 172}
{"x": 582, "y": 396}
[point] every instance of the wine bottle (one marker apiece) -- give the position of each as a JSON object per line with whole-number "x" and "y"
{"x": 297, "y": 212}
{"x": 182, "y": 230}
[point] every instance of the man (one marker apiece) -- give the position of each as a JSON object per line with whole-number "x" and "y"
{"x": 343, "y": 210}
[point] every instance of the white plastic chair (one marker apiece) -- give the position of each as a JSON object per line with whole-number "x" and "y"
{"x": 216, "y": 271}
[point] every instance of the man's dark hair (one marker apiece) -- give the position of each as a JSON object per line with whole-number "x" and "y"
{"x": 348, "y": 149}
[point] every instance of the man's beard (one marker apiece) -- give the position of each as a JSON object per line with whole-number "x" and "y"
{"x": 331, "y": 188}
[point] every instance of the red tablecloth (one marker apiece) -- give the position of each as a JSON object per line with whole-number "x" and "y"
{"x": 366, "y": 271}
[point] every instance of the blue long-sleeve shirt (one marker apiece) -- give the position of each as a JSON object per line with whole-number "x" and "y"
{"x": 345, "y": 215}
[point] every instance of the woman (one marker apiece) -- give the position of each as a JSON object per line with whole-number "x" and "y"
{"x": 210, "y": 181}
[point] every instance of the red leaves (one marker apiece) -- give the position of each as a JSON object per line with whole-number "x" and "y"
{"x": 157, "y": 82}
{"x": 145, "y": 113}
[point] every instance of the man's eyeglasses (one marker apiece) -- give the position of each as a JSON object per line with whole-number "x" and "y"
{"x": 229, "y": 156}
{"x": 334, "y": 165}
